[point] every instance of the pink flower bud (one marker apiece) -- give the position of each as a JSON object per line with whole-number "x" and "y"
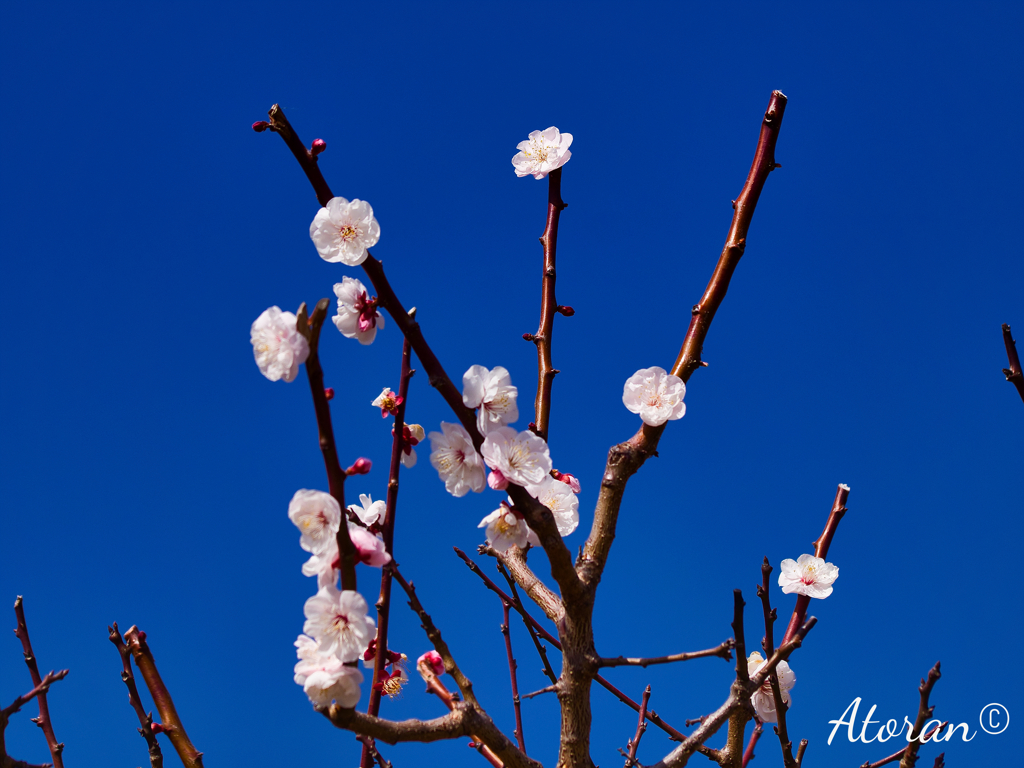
{"x": 361, "y": 467}
{"x": 260, "y": 126}
{"x": 329, "y": 393}
{"x": 497, "y": 481}
{"x": 433, "y": 661}
{"x": 528, "y": 337}
{"x": 318, "y": 146}
{"x": 568, "y": 479}
{"x": 156, "y": 727}
{"x": 567, "y": 311}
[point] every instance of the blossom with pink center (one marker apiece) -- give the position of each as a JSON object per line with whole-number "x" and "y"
{"x": 568, "y": 479}
{"x": 763, "y": 699}
{"x": 368, "y": 510}
{"x": 560, "y": 499}
{"x": 317, "y": 515}
{"x": 542, "y": 152}
{"x": 342, "y": 231}
{"x": 277, "y": 345}
{"x": 324, "y": 677}
{"x": 412, "y": 434}
{"x": 456, "y": 460}
{"x": 357, "y": 316}
{"x": 431, "y": 661}
{"x": 807, "y": 575}
{"x": 521, "y": 457}
{"x": 656, "y": 395}
{"x": 388, "y": 402}
{"x": 492, "y": 392}
{"x": 337, "y": 620}
{"x": 391, "y": 683}
{"x": 505, "y": 527}
{"x": 370, "y": 548}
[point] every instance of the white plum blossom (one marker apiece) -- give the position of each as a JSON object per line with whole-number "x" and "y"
{"x": 337, "y": 620}
{"x": 492, "y": 392}
{"x": 456, "y": 460}
{"x": 412, "y": 435}
{"x": 807, "y": 575}
{"x": 324, "y": 677}
{"x": 342, "y": 231}
{"x": 505, "y": 528}
{"x": 370, "y": 548}
{"x": 560, "y": 499}
{"x": 542, "y": 152}
{"x": 357, "y": 316}
{"x": 521, "y": 457}
{"x": 656, "y": 395}
{"x": 322, "y": 566}
{"x": 277, "y": 345}
{"x": 318, "y": 516}
{"x": 370, "y": 512}
{"x": 763, "y": 699}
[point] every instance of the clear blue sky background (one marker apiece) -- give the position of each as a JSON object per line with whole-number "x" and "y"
{"x": 147, "y": 465}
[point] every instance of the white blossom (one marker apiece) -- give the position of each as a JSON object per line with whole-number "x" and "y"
{"x": 505, "y": 528}
{"x": 322, "y": 566}
{"x": 324, "y": 677}
{"x": 492, "y": 392}
{"x": 560, "y": 499}
{"x": 456, "y": 460}
{"x": 542, "y": 152}
{"x": 370, "y": 512}
{"x": 521, "y": 457}
{"x": 807, "y": 575}
{"x": 412, "y": 435}
{"x": 337, "y": 620}
{"x": 656, "y": 395}
{"x": 763, "y": 699}
{"x": 279, "y": 348}
{"x": 357, "y": 316}
{"x": 317, "y": 516}
{"x": 342, "y": 231}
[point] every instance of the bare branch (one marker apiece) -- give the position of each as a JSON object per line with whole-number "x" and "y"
{"x": 506, "y": 606}
{"x": 1013, "y": 374}
{"x": 723, "y": 651}
{"x": 935, "y": 729}
{"x": 780, "y": 704}
{"x": 924, "y": 713}
{"x": 44, "y": 722}
{"x": 515, "y": 560}
{"x": 156, "y": 757}
{"x": 44, "y": 685}
{"x": 518, "y": 605}
{"x": 436, "y": 687}
{"x": 748, "y": 754}
{"x": 641, "y": 726}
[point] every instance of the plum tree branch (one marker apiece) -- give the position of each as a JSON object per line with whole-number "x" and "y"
{"x": 156, "y": 757}
{"x": 723, "y": 651}
{"x": 1013, "y": 374}
{"x": 44, "y": 722}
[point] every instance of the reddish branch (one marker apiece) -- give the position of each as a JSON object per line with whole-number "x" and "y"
{"x": 388, "y": 534}
{"x": 436, "y": 687}
{"x": 748, "y": 753}
{"x": 44, "y": 722}
{"x": 769, "y": 648}
{"x": 335, "y": 474}
{"x": 156, "y": 757}
{"x": 895, "y": 755}
{"x": 1013, "y": 373}
{"x": 641, "y": 726}
{"x": 924, "y": 713}
{"x": 512, "y": 666}
{"x": 6, "y": 761}
{"x": 548, "y": 306}
{"x": 172, "y": 725}
{"x": 723, "y": 651}
{"x": 518, "y": 605}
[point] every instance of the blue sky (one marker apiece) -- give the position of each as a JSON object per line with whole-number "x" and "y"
{"x": 146, "y": 465}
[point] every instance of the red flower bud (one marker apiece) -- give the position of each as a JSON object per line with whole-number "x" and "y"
{"x": 329, "y": 393}
{"x": 361, "y": 467}
{"x": 156, "y": 727}
{"x": 318, "y": 146}
{"x": 567, "y": 311}
{"x": 260, "y": 126}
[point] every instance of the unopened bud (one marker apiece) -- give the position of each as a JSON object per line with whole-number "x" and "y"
{"x": 329, "y": 393}
{"x": 528, "y": 337}
{"x": 497, "y": 481}
{"x": 361, "y": 467}
{"x": 156, "y": 727}
{"x": 568, "y": 479}
{"x": 260, "y": 126}
{"x": 318, "y": 146}
{"x": 567, "y": 311}
{"x": 142, "y": 635}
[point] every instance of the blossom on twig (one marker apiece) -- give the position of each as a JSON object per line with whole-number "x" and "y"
{"x": 412, "y": 434}
{"x": 656, "y": 395}
{"x": 560, "y": 499}
{"x": 324, "y": 677}
{"x": 369, "y": 547}
{"x": 368, "y": 510}
{"x": 763, "y": 699}
{"x": 357, "y": 316}
{"x": 807, "y": 575}
{"x": 317, "y": 515}
{"x": 568, "y": 479}
{"x": 505, "y": 527}
{"x": 542, "y": 152}
{"x": 278, "y": 347}
{"x": 342, "y": 231}
{"x": 492, "y": 392}
{"x": 456, "y": 460}
{"x": 337, "y": 620}
{"x": 324, "y": 566}
{"x": 388, "y": 402}
{"x": 431, "y": 661}
{"x": 521, "y": 457}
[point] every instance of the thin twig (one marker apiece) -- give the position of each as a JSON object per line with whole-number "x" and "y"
{"x": 44, "y": 685}
{"x": 44, "y": 721}
{"x": 1013, "y": 374}
{"x": 897, "y": 755}
{"x": 781, "y": 707}
{"x": 506, "y": 607}
{"x": 518, "y": 605}
{"x": 641, "y": 726}
{"x": 924, "y": 713}
{"x": 156, "y": 757}
{"x": 748, "y": 753}
{"x": 800, "y": 752}
{"x": 722, "y": 651}
{"x": 371, "y": 747}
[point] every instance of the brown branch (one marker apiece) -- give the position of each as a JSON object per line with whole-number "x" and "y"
{"x": 388, "y": 534}
{"x": 515, "y": 560}
{"x": 641, "y": 726}
{"x": 723, "y": 651}
{"x": 769, "y": 648}
{"x": 1013, "y": 374}
{"x": 156, "y": 757}
{"x": 821, "y": 545}
{"x": 924, "y": 713}
{"x": 335, "y": 475}
{"x": 518, "y": 605}
{"x": 733, "y": 750}
{"x": 506, "y": 606}
{"x": 375, "y": 754}
{"x": 169, "y": 719}
{"x": 625, "y": 459}
{"x": 652, "y": 716}
{"x": 548, "y": 306}
{"x": 436, "y": 687}
{"x": 800, "y": 752}
{"x": 44, "y": 685}
{"x": 44, "y": 720}
{"x": 895, "y": 755}
{"x": 748, "y": 754}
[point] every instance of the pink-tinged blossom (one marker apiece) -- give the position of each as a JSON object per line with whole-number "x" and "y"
{"x": 337, "y": 620}
{"x": 388, "y": 402}
{"x": 412, "y": 434}
{"x": 391, "y": 682}
{"x": 324, "y": 566}
{"x": 357, "y": 316}
{"x": 370, "y": 511}
{"x": 370, "y": 548}
{"x": 324, "y": 677}
{"x": 568, "y": 479}
{"x": 456, "y": 460}
{"x": 371, "y": 653}
{"x": 317, "y": 516}
{"x": 763, "y": 699}
{"x": 496, "y": 480}
{"x": 342, "y": 231}
{"x": 656, "y": 395}
{"x": 542, "y": 152}
{"x": 431, "y": 661}
{"x": 278, "y": 347}
{"x": 807, "y": 575}
{"x": 505, "y": 528}
{"x": 521, "y": 457}
{"x": 492, "y": 392}
{"x": 560, "y": 499}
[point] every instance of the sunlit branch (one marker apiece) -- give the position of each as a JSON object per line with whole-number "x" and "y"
{"x": 723, "y": 651}
{"x": 44, "y": 722}
{"x": 156, "y": 757}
